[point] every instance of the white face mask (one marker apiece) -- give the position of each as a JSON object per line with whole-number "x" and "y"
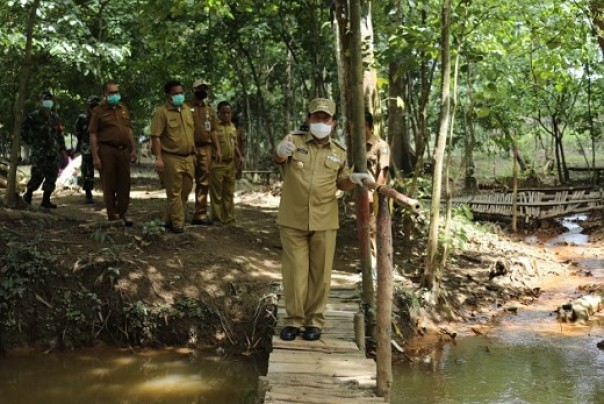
{"x": 320, "y": 130}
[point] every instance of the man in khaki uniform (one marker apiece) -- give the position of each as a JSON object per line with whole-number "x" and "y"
{"x": 173, "y": 145}
{"x": 113, "y": 149}
{"x": 222, "y": 179}
{"x": 314, "y": 168}
{"x": 207, "y": 148}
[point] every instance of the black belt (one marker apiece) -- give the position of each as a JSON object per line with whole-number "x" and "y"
{"x": 203, "y": 144}
{"x": 115, "y": 146}
{"x": 178, "y": 154}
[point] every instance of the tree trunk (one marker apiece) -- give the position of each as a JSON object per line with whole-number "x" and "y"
{"x": 384, "y": 299}
{"x": 515, "y": 184}
{"x": 11, "y": 189}
{"x": 398, "y": 133}
{"x": 357, "y": 124}
{"x": 432, "y": 274}
{"x": 597, "y": 18}
{"x": 342, "y": 19}
{"x": 370, "y": 90}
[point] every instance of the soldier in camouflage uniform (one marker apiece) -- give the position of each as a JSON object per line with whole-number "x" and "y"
{"x": 42, "y": 131}
{"x": 83, "y": 147}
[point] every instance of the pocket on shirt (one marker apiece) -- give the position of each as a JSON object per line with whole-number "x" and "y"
{"x": 332, "y": 165}
{"x": 174, "y": 123}
{"x": 301, "y": 155}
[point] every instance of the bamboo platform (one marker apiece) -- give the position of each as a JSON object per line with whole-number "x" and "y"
{"x": 332, "y": 370}
{"x": 534, "y": 205}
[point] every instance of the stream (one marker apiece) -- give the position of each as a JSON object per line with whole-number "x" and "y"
{"x": 529, "y": 358}
{"x": 103, "y": 376}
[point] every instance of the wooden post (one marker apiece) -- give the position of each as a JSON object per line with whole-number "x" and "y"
{"x": 384, "y": 299}
{"x": 357, "y": 130}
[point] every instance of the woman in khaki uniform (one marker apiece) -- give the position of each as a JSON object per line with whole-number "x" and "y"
{"x": 223, "y": 172}
{"x": 174, "y": 149}
{"x": 314, "y": 168}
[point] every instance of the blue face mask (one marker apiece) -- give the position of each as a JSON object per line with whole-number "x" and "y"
{"x": 178, "y": 100}
{"x": 47, "y": 104}
{"x": 113, "y": 99}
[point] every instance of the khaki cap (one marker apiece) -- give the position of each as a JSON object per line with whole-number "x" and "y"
{"x": 200, "y": 82}
{"x": 322, "y": 105}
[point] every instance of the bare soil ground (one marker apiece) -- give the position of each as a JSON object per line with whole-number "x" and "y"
{"x": 69, "y": 278}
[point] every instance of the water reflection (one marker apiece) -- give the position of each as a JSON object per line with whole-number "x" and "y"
{"x": 572, "y": 236}
{"x": 489, "y": 370}
{"x": 117, "y": 376}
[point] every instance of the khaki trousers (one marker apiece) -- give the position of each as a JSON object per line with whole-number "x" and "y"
{"x": 115, "y": 179}
{"x": 222, "y": 191}
{"x": 177, "y": 177}
{"x": 306, "y": 274}
{"x": 203, "y": 164}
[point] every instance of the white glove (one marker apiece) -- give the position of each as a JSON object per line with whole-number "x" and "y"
{"x": 285, "y": 149}
{"x": 362, "y": 178}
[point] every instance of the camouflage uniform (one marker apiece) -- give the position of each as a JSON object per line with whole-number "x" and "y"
{"x": 87, "y": 168}
{"x": 44, "y": 134}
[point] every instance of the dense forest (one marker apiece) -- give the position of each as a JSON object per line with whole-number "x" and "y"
{"x": 516, "y": 68}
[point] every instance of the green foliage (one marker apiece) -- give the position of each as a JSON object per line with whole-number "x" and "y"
{"x": 101, "y": 235}
{"x": 153, "y": 228}
{"x": 24, "y": 267}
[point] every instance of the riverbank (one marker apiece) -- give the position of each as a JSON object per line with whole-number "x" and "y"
{"x": 72, "y": 280}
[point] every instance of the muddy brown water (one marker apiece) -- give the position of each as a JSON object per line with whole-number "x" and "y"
{"x": 529, "y": 358}
{"x": 104, "y": 376}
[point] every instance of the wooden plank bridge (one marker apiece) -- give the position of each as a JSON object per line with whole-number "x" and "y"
{"x": 332, "y": 370}
{"x": 534, "y": 204}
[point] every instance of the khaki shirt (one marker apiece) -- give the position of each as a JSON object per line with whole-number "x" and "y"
{"x": 111, "y": 124}
{"x": 205, "y": 121}
{"x": 174, "y": 127}
{"x": 378, "y": 155}
{"x": 310, "y": 181}
{"x": 227, "y": 137}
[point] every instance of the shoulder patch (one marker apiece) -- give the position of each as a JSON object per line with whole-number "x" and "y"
{"x": 297, "y": 132}
{"x": 339, "y": 144}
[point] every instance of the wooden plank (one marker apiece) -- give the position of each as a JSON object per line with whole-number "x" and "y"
{"x": 310, "y": 357}
{"x": 300, "y": 398}
{"x": 362, "y": 382}
{"x": 320, "y": 392}
{"x": 329, "y": 345}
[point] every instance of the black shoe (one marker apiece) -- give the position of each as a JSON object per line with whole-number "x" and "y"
{"x": 48, "y": 204}
{"x": 202, "y": 222}
{"x": 168, "y": 226}
{"x": 177, "y": 230}
{"x": 27, "y": 198}
{"x": 89, "y": 198}
{"x": 127, "y": 222}
{"x": 312, "y": 333}
{"x": 289, "y": 333}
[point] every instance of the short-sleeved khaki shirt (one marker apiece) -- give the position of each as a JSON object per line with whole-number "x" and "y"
{"x": 205, "y": 121}
{"x": 227, "y": 137}
{"x": 111, "y": 124}
{"x": 378, "y": 155}
{"x": 310, "y": 180}
{"x": 174, "y": 127}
